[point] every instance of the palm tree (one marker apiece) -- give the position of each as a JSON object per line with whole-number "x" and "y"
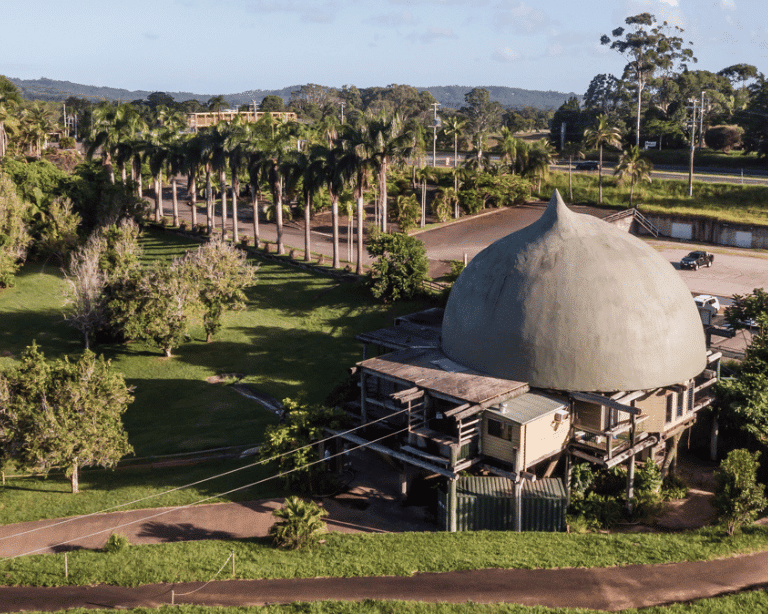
{"x": 156, "y": 152}
{"x": 110, "y": 125}
{"x": 634, "y": 167}
{"x": 8, "y": 124}
{"x": 36, "y": 124}
{"x": 424, "y": 175}
{"x": 9, "y": 100}
{"x": 508, "y": 145}
{"x": 175, "y": 164}
{"x": 211, "y": 155}
{"x": 306, "y": 174}
{"x": 269, "y": 163}
{"x": 334, "y": 178}
{"x": 237, "y": 147}
{"x": 454, "y": 127}
{"x": 192, "y": 147}
{"x": 358, "y": 162}
{"x": 603, "y": 133}
{"x": 540, "y": 156}
{"x": 391, "y": 141}
{"x": 572, "y": 150}
{"x": 216, "y": 104}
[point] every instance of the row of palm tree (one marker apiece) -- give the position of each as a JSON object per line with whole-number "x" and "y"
{"x": 332, "y": 158}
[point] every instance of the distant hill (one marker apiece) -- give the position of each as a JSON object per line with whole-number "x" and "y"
{"x": 451, "y": 96}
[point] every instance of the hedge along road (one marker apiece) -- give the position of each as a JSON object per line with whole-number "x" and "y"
{"x": 611, "y": 589}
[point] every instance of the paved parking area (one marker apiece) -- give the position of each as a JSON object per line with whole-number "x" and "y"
{"x": 734, "y": 271}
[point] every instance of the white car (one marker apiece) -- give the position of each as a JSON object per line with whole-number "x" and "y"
{"x": 707, "y": 301}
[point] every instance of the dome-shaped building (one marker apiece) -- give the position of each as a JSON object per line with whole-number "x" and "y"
{"x": 569, "y": 339}
{"x": 574, "y": 303}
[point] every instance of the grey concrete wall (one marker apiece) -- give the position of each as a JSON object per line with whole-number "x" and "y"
{"x": 707, "y": 231}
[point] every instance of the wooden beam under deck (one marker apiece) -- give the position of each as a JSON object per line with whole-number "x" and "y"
{"x": 646, "y": 442}
{"x": 364, "y": 443}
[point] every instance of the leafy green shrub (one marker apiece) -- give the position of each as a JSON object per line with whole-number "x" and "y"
{"x": 673, "y": 488}
{"x": 599, "y": 511}
{"x": 291, "y": 442}
{"x": 400, "y": 267}
{"x": 738, "y": 496}
{"x": 648, "y": 478}
{"x": 116, "y": 543}
{"x": 578, "y": 524}
{"x": 646, "y": 506}
{"x": 300, "y": 524}
{"x": 407, "y": 210}
{"x": 442, "y": 206}
{"x": 582, "y": 478}
{"x": 611, "y": 482}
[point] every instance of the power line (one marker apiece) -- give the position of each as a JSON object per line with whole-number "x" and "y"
{"x": 226, "y": 473}
{"x": 229, "y": 492}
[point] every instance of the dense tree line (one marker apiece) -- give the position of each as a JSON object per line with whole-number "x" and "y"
{"x": 654, "y": 98}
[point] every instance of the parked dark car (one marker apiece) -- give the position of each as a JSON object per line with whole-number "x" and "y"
{"x": 696, "y": 259}
{"x": 589, "y": 165}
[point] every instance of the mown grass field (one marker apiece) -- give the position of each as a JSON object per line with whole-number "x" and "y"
{"x": 747, "y": 204}
{"x": 367, "y": 554}
{"x": 295, "y": 340}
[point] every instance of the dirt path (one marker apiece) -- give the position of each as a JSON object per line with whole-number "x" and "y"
{"x": 611, "y": 589}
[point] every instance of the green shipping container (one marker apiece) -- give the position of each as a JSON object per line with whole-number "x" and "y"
{"x": 487, "y": 503}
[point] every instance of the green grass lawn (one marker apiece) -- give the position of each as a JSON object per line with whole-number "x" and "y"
{"x": 728, "y": 202}
{"x": 295, "y": 339}
{"x": 754, "y": 601}
{"x": 365, "y": 554}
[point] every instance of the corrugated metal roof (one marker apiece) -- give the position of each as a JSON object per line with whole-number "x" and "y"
{"x": 486, "y": 486}
{"x": 547, "y": 488}
{"x": 417, "y": 367}
{"x": 528, "y": 407}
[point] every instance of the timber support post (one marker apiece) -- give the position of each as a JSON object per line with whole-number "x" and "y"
{"x": 452, "y": 520}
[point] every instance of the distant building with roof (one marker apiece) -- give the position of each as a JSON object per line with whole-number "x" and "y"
{"x": 569, "y": 339}
{"x": 206, "y": 119}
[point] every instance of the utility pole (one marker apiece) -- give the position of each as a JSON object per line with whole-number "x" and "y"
{"x": 342, "y": 111}
{"x": 435, "y": 124}
{"x": 693, "y": 102}
{"x": 701, "y": 121}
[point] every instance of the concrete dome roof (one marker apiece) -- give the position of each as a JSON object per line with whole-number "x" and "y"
{"x": 574, "y": 303}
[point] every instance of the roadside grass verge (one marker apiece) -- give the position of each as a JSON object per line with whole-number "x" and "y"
{"x": 745, "y": 204}
{"x": 393, "y": 554}
{"x": 295, "y": 339}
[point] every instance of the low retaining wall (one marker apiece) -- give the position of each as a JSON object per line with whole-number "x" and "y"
{"x": 705, "y": 230}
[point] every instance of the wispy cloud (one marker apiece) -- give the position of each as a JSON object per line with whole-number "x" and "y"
{"x": 728, "y": 5}
{"x": 309, "y": 12}
{"x": 505, "y": 55}
{"x": 521, "y": 18}
{"x": 433, "y": 34}
{"x": 393, "y": 20}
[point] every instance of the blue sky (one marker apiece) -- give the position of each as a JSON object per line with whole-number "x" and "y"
{"x": 229, "y": 46}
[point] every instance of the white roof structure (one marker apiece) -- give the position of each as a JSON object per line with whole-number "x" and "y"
{"x": 574, "y": 303}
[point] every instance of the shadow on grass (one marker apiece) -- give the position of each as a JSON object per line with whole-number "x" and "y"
{"x": 179, "y": 532}
{"x": 176, "y": 415}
